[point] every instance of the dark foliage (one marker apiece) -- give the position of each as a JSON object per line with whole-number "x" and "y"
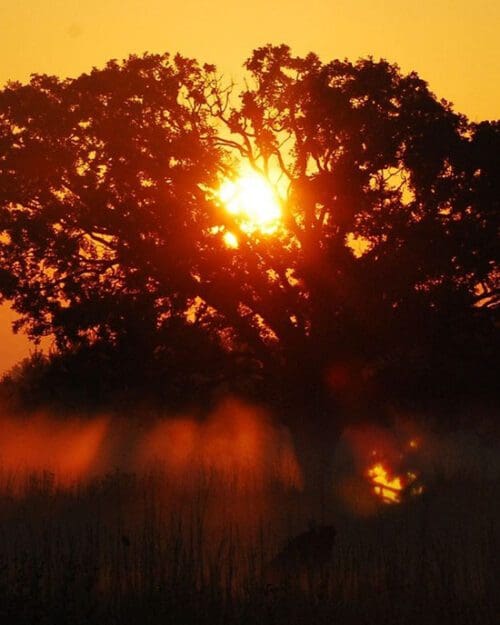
{"x": 110, "y": 233}
{"x": 118, "y": 551}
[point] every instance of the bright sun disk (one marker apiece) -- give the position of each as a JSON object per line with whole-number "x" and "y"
{"x": 252, "y": 199}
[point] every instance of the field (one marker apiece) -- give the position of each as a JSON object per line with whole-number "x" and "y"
{"x": 156, "y": 547}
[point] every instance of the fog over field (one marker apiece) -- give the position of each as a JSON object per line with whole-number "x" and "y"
{"x": 106, "y": 518}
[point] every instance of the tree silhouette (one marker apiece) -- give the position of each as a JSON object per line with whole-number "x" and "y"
{"x": 100, "y": 204}
{"x": 111, "y": 223}
{"x": 387, "y": 225}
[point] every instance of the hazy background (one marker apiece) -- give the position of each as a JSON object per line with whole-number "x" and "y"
{"x": 453, "y": 44}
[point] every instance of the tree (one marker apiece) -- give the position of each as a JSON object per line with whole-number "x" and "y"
{"x": 102, "y": 208}
{"x": 101, "y": 201}
{"x": 385, "y": 226}
{"x": 111, "y": 222}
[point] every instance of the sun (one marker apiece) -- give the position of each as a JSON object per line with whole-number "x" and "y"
{"x": 253, "y": 200}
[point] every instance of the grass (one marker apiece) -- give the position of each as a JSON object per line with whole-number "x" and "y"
{"x": 150, "y": 548}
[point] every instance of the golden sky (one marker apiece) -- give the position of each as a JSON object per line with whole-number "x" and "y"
{"x": 453, "y": 44}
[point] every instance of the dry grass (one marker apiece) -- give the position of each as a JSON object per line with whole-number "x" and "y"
{"x": 134, "y": 549}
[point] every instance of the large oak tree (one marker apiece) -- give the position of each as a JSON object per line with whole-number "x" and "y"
{"x": 111, "y": 225}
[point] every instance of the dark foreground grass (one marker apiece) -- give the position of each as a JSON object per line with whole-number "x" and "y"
{"x": 139, "y": 549}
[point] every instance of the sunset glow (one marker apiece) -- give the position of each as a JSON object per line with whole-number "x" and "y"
{"x": 237, "y": 440}
{"x": 69, "y": 450}
{"x": 249, "y": 295}
{"x": 253, "y": 201}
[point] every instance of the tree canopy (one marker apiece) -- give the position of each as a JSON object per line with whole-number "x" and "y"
{"x": 111, "y": 224}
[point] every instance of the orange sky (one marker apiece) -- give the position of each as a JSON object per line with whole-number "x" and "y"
{"x": 453, "y": 44}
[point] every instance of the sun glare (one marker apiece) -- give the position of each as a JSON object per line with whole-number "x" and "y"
{"x": 253, "y": 200}
{"x": 230, "y": 240}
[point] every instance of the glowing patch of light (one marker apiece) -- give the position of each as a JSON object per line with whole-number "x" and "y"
{"x": 253, "y": 200}
{"x": 393, "y": 488}
{"x": 387, "y": 487}
{"x": 230, "y": 240}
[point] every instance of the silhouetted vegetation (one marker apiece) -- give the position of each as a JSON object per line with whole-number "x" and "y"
{"x": 379, "y": 285}
{"x": 107, "y": 218}
{"x": 146, "y": 549}
{"x": 378, "y": 288}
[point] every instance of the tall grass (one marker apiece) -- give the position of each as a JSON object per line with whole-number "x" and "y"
{"x": 153, "y": 548}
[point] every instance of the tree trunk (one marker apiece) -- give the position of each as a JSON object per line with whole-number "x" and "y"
{"x": 314, "y": 423}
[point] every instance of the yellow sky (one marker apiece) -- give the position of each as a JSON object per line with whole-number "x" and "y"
{"x": 453, "y": 44}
